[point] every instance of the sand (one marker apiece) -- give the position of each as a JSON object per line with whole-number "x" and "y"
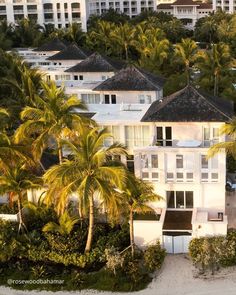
{"x": 177, "y": 277}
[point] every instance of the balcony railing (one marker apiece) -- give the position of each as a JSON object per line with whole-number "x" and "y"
{"x": 183, "y": 143}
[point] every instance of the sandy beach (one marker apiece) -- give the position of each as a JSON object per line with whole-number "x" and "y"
{"x": 177, "y": 277}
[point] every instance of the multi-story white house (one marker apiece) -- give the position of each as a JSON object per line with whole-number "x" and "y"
{"x": 167, "y": 140}
{"x": 59, "y": 13}
{"x": 129, "y": 7}
{"x": 188, "y": 11}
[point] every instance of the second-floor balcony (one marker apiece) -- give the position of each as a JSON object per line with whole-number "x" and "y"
{"x": 184, "y": 143}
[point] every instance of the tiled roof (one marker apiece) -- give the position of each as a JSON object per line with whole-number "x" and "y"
{"x": 52, "y": 45}
{"x": 189, "y": 105}
{"x": 97, "y": 63}
{"x": 72, "y": 52}
{"x": 132, "y": 79}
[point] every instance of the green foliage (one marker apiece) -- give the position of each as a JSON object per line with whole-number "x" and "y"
{"x": 65, "y": 226}
{"x": 7, "y": 209}
{"x": 154, "y": 256}
{"x": 212, "y": 252}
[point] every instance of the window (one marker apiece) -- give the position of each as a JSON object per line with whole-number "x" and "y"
{"x": 155, "y": 175}
{"x": 130, "y": 163}
{"x": 189, "y": 176}
{"x": 154, "y": 161}
{"x": 216, "y": 134}
{"x": 204, "y": 162}
{"x": 136, "y": 136}
{"x": 107, "y": 99}
{"x": 90, "y": 98}
{"x": 115, "y": 132}
{"x": 110, "y": 99}
{"x": 170, "y": 176}
{"x": 113, "y": 99}
{"x": 81, "y": 77}
{"x": 145, "y": 175}
{"x": 179, "y": 199}
{"x": 189, "y": 199}
{"x": 75, "y": 77}
{"x": 206, "y": 136}
{"x": 204, "y": 177}
{"x": 144, "y": 99}
{"x": 164, "y": 136}
{"x": 144, "y": 161}
{"x": 179, "y": 176}
{"x": 179, "y": 161}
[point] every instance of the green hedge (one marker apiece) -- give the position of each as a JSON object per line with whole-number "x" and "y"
{"x": 213, "y": 252}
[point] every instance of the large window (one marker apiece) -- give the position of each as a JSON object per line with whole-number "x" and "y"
{"x": 110, "y": 99}
{"x": 179, "y": 199}
{"x": 209, "y": 169}
{"x": 115, "y": 132}
{"x": 90, "y": 98}
{"x": 164, "y": 136}
{"x": 136, "y": 136}
{"x": 210, "y": 136}
{"x": 149, "y": 167}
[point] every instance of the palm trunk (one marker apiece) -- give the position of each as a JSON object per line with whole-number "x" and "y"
{"x": 21, "y": 222}
{"x": 59, "y": 151}
{"x": 126, "y": 52}
{"x": 91, "y": 225}
{"x": 188, "y": 75}
{"x": 216, "y": 85}
{"x": 131, "y": 231}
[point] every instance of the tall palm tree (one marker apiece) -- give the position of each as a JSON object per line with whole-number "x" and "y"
{"x": 214, "y": 63}
{"x": 185, "y": 52}
{"x": 101, "y": 37}
{"x": 137, "y": 195}
{"x": 123, "y": 35}
{"x": 16, "y": 179}
{"x": 55, "y": 116}
{"x": 87, "y": 172}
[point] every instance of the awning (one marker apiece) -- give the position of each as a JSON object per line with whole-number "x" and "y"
{"x": 178, "y": 220}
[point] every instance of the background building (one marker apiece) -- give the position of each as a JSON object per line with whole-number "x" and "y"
{"x": 59, "y": 13}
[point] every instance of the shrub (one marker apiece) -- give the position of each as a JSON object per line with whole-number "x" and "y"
{"x": 211, "y": 252}
{"x": 7, "y": 209}
{"x": 114, "y": 260}
{"x": 154, "y": 256}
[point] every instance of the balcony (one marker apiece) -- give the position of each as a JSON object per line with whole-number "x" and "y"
{"x": 3, "y": 12}
{"x": 209, "y": 222}
{"x": 19, "y": 11}
{"x": 49, "y": 10}
{"x": 32, "y": 10}
{"x": 184, "y": 143}
{"x": 75, "y": 9}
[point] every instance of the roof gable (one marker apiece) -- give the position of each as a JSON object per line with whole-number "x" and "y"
{"x": 72, "y": 52}
{"x": 97, "y": 63}
{"x": 132, "y": 79}
{"x": 52, "y": 45}
{"x": 189, "y": 105}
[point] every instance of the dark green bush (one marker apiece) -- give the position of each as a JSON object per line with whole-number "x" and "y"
{"x": 154, "y": 256}
{"x": 7, "y": 209}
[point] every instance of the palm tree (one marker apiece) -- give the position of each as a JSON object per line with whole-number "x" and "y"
{"x": 65, "y": 226}
{"x": 228, "y": 130}
{"x": 87, "y": 172}
{"x": 185, "y": 53}
{"x": 214, "y": 63}
{"x": 74, "y": 33}
{"x": 123, "y": 35}
{"x": 136, "y": 195}
{"x": 101, "y": 37}
{"x": 54, "y": 117}
{"x": 16, "y": 179}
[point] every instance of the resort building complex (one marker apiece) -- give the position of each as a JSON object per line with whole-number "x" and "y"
{"x": 61, "y": 13}
{"x": 167, "y": 138}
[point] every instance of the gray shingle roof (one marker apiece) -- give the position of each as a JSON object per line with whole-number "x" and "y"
{"x": 52, "y": 45}
{"x": 189, "y": 105}
{"x": 132, "y": 79}
{"x": 97, "y": 63}
{"x": 72, "y": 52}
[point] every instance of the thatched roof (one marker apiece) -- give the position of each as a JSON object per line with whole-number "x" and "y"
{"x": 71, "y": 52}
{"x": 132, "y": 79}
{"x": 97, "y": 63}
{"x": 189, "y": 105}
{"x": 52, "y": 45}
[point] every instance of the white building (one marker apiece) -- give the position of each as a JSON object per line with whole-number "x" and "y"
{"x": 129, "y": 7}
{"x": 225, "y": 5}
{"x": 188, "y": 11}
{"x": 59, "y": 13}
{"x": 167, "y": 140}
